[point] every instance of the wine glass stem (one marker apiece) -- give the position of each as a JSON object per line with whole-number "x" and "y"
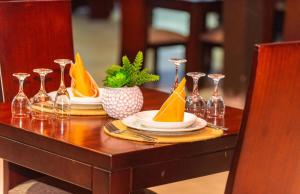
{"x": 195, "y": 85}
{"x": 216, "y": 90}
{"x": 42, "y": 82}
{"x": 62, "y": 72}
{"x": 21, "y": 82}
{"x": 176, "y": 77}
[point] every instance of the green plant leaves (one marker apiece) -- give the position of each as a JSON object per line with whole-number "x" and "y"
{"x": 130, "y": 74}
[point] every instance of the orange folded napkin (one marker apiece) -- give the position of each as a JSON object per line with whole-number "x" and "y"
{"x": 82, "y": 84}
{"x": 173, "y": 108}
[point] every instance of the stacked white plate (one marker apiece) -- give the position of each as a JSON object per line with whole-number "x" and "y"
{"x": 89, "y": 103}
{"x": 143, "y": 121}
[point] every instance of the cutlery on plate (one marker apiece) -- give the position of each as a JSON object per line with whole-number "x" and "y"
{"x": 217, "y": 127}
{"x": 113, "y": 129}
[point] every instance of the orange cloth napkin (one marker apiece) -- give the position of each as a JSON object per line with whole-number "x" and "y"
{"x": 173, "y": 108}
{"x": 82, "y": 84}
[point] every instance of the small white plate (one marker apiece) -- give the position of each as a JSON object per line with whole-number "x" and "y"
{"x": 135, "y": 123}
{"x": 146, "y": 119}
{"x": 80, "y": 100}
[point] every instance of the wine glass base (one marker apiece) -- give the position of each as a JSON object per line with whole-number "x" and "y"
{"x": 40, "y": 116}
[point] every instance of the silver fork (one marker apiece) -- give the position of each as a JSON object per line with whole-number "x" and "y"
{"x": 113, "y": 129}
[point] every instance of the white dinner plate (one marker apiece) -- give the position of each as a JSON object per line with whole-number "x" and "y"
{"x": 79, "y": 100}
{"x": 146, "y": 119}
{"x": 135, "y": 123}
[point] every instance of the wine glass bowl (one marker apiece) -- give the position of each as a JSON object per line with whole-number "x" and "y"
{"x": 41, "y": 101}
{"x": 62, "y": 103}
{"x": 177, "y": 62}
{"x": 216, "y": 105}
{"x": 195, "y": 103}
{"x": 20, "y": 106}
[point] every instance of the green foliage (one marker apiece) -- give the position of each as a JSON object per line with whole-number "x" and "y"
{"x": 130, "y": 74}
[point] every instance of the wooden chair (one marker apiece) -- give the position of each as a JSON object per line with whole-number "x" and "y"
{"x": 32, "y": 35}
{"x": 267, "y": 158}
{"x": 137, "y": 33}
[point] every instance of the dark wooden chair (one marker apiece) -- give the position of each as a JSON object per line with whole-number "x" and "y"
{"x": 32, "y": 35}
{"x": 267, "y": 158}
{"x": 137, "y": 33}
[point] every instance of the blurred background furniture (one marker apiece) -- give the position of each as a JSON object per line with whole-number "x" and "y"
{"x": 137, "y": 34}
{"x": 250, "y": 23}
{"x": 99, "y": 9}
{"x": 267, "y": 157}
{"x": 291, "y": 29}
{"x": 33, "y": 34}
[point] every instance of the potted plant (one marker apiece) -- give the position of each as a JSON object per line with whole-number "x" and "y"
{"x": 121, "y": 96}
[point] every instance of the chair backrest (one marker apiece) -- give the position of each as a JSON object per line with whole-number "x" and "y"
{"x": 267, "y": 159}
{"x": 33, "y": 34}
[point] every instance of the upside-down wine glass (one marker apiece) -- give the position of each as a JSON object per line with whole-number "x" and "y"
{"x": 177, "y": 62}
{"x": 20, "y": 106}
{"x": 195, "y": 103}
{"x": 62, "y": 103}
{"x": 41, "y": 101}
{"x": 216, "y": 105}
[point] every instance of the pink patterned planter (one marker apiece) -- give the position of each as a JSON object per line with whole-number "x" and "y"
{"x": 122, "y": 102}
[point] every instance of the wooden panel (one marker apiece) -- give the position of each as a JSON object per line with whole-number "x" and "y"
{"x": 268, "y": 154}
{"x": 32, "y": 35}
{"x": 181, "y": 169}
{"x": 46, "y": 162}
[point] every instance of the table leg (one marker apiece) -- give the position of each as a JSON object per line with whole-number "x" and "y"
{"x": 111, "y": 182}
{"x": 14, "y": 175}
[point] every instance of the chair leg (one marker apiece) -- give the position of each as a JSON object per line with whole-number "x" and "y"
{"x": 155, "y": 62}
{"x": 206, "y": 60}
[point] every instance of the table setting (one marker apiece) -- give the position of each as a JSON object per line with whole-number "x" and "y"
{"x": 141, "y": 128}
{"x": 181, "y": 118}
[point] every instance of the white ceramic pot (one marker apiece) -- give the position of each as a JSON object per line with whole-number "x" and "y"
{"x": 122, "y": 102}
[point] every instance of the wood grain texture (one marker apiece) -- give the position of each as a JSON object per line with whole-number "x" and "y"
{"x": 268, "y": 151}
{"x": 32, "y": 35}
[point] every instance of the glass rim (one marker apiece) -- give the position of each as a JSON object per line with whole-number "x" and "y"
{"x": 42, "y": 70}
{"x": 21, "y": 75}
{"x": 63, "y": 61}
{"x": 177, "y": 60}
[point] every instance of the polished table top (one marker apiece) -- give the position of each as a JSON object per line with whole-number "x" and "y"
{"x": 83, "y": 139}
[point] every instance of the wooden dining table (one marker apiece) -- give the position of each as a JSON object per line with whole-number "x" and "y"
{"x": 78, "y": 151}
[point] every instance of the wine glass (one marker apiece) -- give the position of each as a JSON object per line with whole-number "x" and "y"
{"x": 195, "y": 103}
{"x": 41, "y": 101}
{"x": 62, "y": 103}
{"x": 177, "y": 62}
{"x": 20, "y": 106}
{"x": 216, "y": 105}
